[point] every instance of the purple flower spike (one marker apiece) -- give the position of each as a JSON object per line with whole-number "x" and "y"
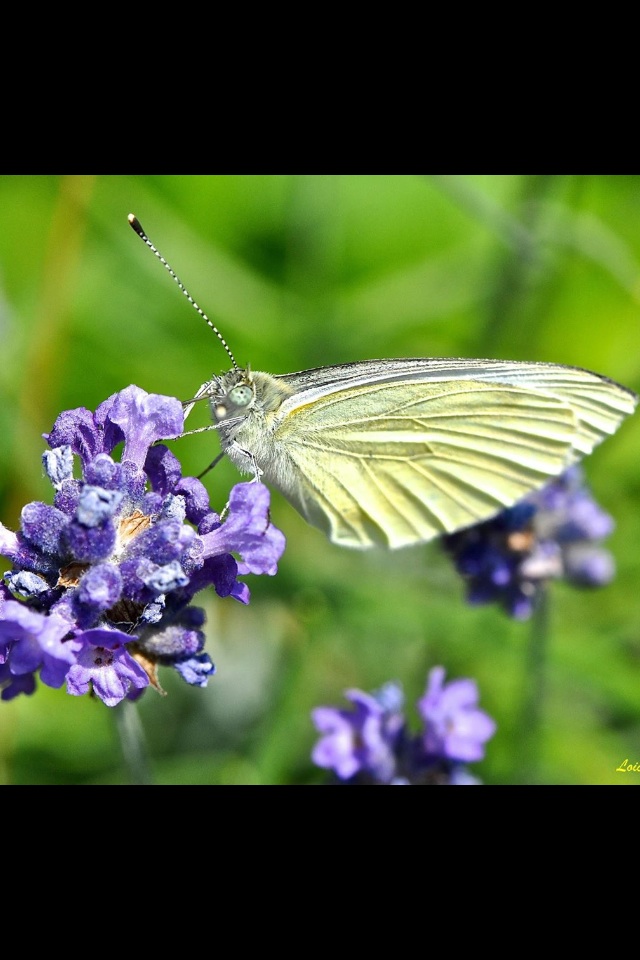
{"x": 107, "y": 574}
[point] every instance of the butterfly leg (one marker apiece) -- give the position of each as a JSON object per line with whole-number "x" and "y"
{"x": 255, "y": 469}
{"x": 211, "y": 466}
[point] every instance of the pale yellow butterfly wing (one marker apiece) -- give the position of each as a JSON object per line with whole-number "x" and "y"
{"x": 418, "y": 454}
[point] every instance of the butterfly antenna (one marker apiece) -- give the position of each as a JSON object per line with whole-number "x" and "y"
{"x": 137, "y": 226}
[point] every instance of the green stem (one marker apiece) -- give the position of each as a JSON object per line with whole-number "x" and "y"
{"x": 528, "y": 740}
{"x": 132, "y": 741}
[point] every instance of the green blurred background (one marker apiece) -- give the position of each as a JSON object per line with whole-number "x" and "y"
{"x": 297, "y": 272}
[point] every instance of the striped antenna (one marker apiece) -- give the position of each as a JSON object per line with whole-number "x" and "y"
{"x": 137, "y": 226}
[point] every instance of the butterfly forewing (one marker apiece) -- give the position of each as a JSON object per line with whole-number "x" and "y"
{"x": 424, "y": 449}
{"x": 599, "y": 403}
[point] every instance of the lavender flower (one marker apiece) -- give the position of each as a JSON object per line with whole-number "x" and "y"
{"x": 100, "y": 590}
{"x": 371, "y": 744}
{"x": 554, "y": 533}
{"x": 359, "y": 741}
{"x": 455, "y": 728}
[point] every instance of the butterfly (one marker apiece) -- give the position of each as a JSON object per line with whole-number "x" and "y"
{"x": 398, "y": 452}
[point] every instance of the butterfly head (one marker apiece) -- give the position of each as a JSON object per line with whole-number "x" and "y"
{"x": 234, "y": 396}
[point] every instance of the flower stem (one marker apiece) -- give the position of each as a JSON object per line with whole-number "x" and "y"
{"x": 528, "y": 739}
{"x": 132, "y": 741}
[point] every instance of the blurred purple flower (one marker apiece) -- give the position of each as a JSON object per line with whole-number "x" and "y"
{"x": 357, "y": 741}
{"x": 454, "y": 726}
{"x": 553, "y": 534}
{"x": 370, "y": 743}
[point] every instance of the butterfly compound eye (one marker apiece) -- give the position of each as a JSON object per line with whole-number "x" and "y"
{"x": 241, "y": 395}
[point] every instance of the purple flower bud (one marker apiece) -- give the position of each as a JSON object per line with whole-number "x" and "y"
{"x": 58, "y": 465}
{"x": 89, "y": 544}
{"x": 43, "y": 526}
{"x": 587, "y": 565}
{"x": 100, "y": 587}
{"x": 163, "y": 469}
{"x": 96, "y": 506}
{"x": 196, "y": 670}
{"x": 196, "y": 498}
{"x": 163, "y": 579}
{"x": 27, "y": 585}
{"x": 103, "y": 472}
{"x": 8, "y": 542}
{"x": 77, "y": 429}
